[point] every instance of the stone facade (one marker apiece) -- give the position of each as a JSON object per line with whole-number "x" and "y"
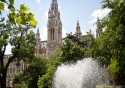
{"x": 12, "y": 69}
{"x": 54, "y": 33}
{"x": 54, "y": 29}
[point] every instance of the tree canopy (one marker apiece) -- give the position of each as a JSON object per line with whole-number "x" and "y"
{"x": 15, "y": 16}
{"x": 16, "y": 32}
{"x": 109, "y": 47}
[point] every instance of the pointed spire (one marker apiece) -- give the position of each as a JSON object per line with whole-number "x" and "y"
{"x": 77, "y": 23}
{"x": 38, "y": 29}
{"x": 54, "y": 0}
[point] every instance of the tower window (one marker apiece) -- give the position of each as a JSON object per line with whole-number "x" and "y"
{"x": 52, "y": 34}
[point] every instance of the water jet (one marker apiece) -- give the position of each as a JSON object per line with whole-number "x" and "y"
{"x": 85, "y": 73}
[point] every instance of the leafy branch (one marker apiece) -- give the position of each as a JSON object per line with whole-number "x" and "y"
{"x": 17, "y": 16}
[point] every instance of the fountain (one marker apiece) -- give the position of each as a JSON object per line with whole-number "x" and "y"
{"x": 85, "y": 73}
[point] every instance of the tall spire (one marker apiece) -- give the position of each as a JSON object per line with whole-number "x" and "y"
{"x": 38, "y": 29}
{"x": 38, "y": 44}
{"x": 54, "y": 26}
{"x": 54, "y": 1}
{"x": 78, "y": 23}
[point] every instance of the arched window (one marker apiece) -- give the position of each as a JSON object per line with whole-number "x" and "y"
{"x": 52, "y": 34}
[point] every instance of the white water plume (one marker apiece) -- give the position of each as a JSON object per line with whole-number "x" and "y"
{"x": 85, "y": 73}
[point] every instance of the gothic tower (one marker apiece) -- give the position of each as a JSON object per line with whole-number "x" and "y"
{"x": 78, "y": 31}
{"x": 38, "y": 44}
{"x": 54, "y": 29}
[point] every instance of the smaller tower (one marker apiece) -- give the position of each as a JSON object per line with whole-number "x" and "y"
{"x": 78, "y": 31}
{"x": 38, "y": 44}
{"x": 98, "y": 29}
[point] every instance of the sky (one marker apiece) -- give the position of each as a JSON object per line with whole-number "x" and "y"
{"x": 85, "y": 11}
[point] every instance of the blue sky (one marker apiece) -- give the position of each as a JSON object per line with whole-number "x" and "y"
{"x": 86, "y": 11}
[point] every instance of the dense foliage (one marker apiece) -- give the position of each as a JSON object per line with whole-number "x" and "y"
{"x": 16, "y": 33}
{"x": 45, "y": 81}
{"x": 71, "y": 52}
{"x": 15, "y": 16}
{"x": 36, "y": 68}
{"x": 109, "y": 48}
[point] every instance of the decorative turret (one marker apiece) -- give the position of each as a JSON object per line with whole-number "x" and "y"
{"x": 78, "y": 31}
{"x": 38, "y": 44}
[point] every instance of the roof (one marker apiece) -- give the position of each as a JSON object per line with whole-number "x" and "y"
{"x": 46, "y": 40}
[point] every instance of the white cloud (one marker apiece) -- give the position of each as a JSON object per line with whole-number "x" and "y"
{"x": 99, "y": 13}
{"x": 83, "y": 32}
{"x": 6, "y": 8}
{"x": 59, "y": 6}
{"x": 38, "y": 1}
{"x": 46, "y": 14}
{"x": 64, "y": 32}
{"x": 43, "y": 33}
{"x": 8, "y": 49}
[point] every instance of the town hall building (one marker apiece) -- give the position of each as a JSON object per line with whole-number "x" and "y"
{"x": 54, "y": 33}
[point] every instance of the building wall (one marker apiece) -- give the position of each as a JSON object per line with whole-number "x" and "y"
{"x": 12, "y": 69}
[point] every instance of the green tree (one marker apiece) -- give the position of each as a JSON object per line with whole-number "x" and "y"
{"x": 15, "y": 32}
{"x": 88, "y": 41}
{"x": 113, "y": 68}
{"x": 71, "y": 52}
{"x": 111, "y": 43}
{"x": 45, "y": 81}
{"x": 22, "y": 40}
{"x": 15, "y": 16}
{"x": 18, "y": 78}
{"x": 37, "y": 67}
